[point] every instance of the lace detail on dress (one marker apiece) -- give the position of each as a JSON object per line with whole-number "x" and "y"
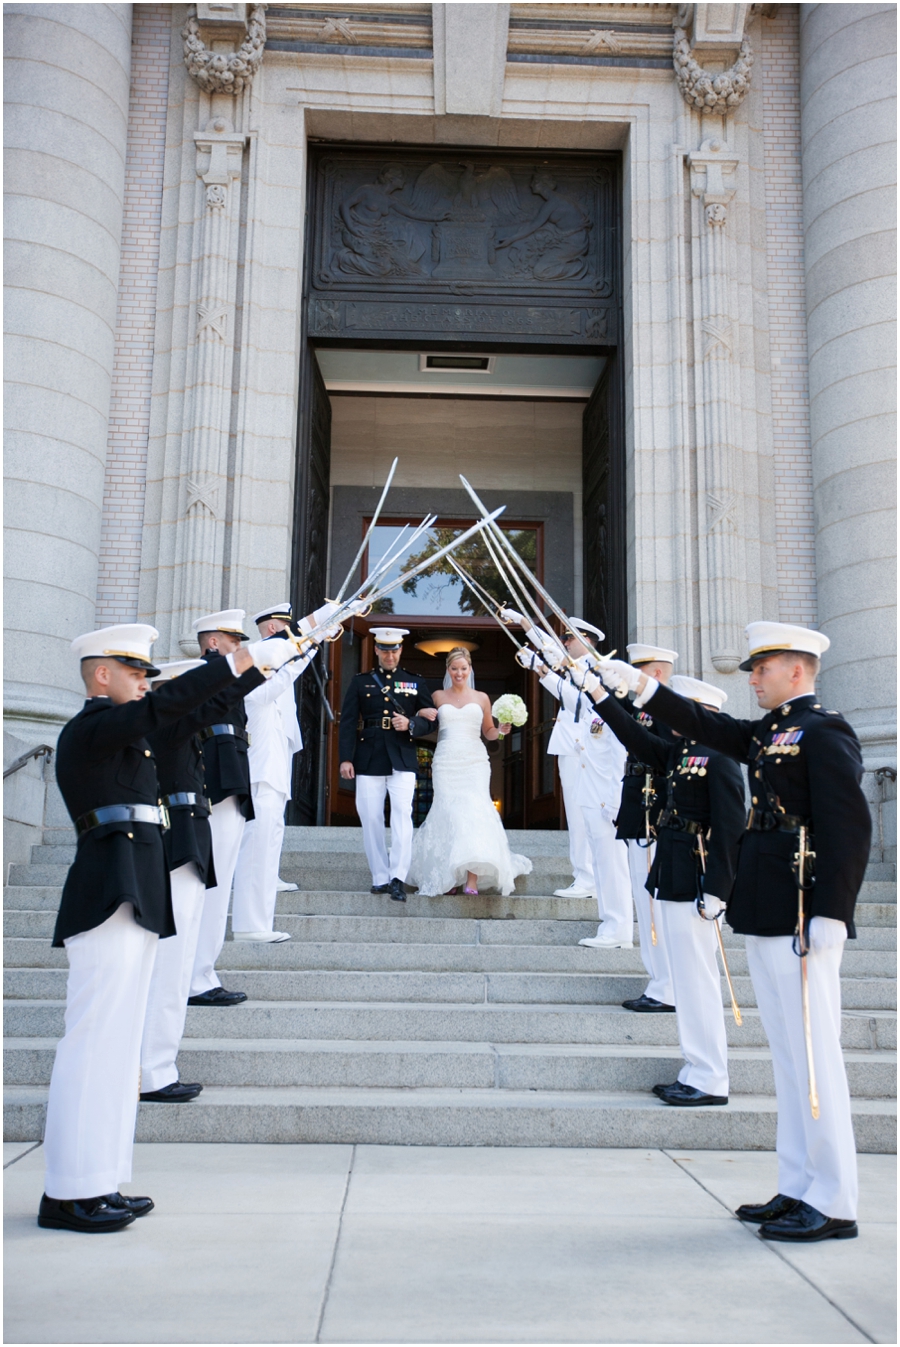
{"x": 463, "y": 830}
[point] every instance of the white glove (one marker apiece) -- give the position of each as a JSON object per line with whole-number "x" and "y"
{"x": 709, "y": 906}
{"x": 270, "y": 655}
{"x": 588, "y": 682}
{"x": 530, "y": 659}
{"x": 321, "y": 615}
{"x": 826, "y": 933}
{"x": 619, "y": 675}
{"x": 355, "y": 608}
{"x": 513, "y": 618}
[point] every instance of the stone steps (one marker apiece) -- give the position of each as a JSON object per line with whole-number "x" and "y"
{"x": 486, "y": 1066}
{"x": 457, "y": 1117}
{"x": 455, "y": 1022}
{"x": 442, "y": 1021}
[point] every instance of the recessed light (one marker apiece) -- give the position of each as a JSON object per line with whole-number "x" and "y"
{"x": 457, "y": 364}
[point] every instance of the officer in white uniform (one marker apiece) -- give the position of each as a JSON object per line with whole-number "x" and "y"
{"x": 564, "y": 745}
{"x": 274, "y": 739}
{"x": 597, "y": 790}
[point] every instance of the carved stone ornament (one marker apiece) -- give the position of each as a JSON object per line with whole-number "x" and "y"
{"x": 705, "y": 91}
{"x": 224, "y": 72}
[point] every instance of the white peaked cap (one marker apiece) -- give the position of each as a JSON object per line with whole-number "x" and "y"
{"x": 389, "y": 636}
{"x": 129, "y": 644}
{"x": 176, "y": 667}
{"x": 580, "y": 625}
{"x": 283, "y": 611}
{"x": 774, "y": 638}
{"x": 697, "y": 691}
{"x": 229, "y": 619}
{"x": 651, "y": 654}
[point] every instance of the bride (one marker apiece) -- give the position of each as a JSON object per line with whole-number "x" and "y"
{"x": 462, "y": 839}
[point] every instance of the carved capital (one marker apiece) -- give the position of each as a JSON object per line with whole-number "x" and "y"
{"x": 712, "y": 178}
{"x": 703, "y": 89}
{"x": 219, "y": 72}
{"x": 225, "y": 148}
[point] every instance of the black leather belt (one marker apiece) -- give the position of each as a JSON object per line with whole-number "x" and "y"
{"x": 122, "y": 813}
{"x": 183, "y": 798}
{"x": 234, "y": 730}
{"x": 636, "y": 769}
{"x": 669, "y": 819}
{"x": 767, "y": 821}
{"x": 384, "y": 723}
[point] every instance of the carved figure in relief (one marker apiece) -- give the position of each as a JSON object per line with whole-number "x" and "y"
{"x": 376, "y": 242}
{"x": 556, "y": 239}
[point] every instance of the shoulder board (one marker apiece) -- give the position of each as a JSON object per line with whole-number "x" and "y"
{"x": 822, "y": 711}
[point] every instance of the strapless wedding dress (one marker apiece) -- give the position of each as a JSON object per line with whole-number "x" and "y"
{"x": 463, "y": 830}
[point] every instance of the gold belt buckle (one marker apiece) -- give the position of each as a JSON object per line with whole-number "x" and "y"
{"x": 386, "y": 722}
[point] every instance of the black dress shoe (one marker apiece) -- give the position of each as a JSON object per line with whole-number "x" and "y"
{"x": 91, "y": 1215}
{"x": 217, "y": 996}
{"x": 179, "y": 1092}
{"x": 804, "y": 1225}
{"x": 381, "y": 888}
{"x": 658, "y": 1089}
{"x": 647, "y": 1006}
{"x": 685, "y": 1096}
{"x": 122, "y": 1202}
{"x": 773, "y": 1210}
{"x": 398, "y": 893}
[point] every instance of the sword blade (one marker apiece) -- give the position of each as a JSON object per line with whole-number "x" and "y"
{"x": 365, "y": 541}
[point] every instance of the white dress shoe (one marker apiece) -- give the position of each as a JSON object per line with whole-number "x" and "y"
{"x": 282, "y": 886}
{"x": 262, "y": 937}
{"x": 607, "y": 942}
{"x": 573, "y": 891}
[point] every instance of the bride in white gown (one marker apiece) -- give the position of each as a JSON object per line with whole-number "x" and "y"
{"x": 462, "y": 840}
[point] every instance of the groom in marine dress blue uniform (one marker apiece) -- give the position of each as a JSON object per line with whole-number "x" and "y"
{"x": 378, "y": 729}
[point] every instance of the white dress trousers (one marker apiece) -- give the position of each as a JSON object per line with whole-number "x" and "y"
{"x": 89, "y": 1137}
{"x": 227, "y": 824}
{"x": 370, "y": 793}
{"x": 256, "y": 875}
{"x": 655, "y": 958}
{"x": 579, "y": 845}
{"x": 692, "y": 946}
{"x": 612, "y": 882}
{"x": 170, "y": 985}
{"x": 816, "y": 1158}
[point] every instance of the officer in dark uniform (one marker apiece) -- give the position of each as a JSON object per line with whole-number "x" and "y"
{"x": 189, "y": 856}
{"x": 116, "y": 903}
{"x": 805, "y": 767}
{"x": 378, "y": 729}
{"x": 698, "y": 831}
{"x": 226, "y": 767}
{"x": 643, "y": 794}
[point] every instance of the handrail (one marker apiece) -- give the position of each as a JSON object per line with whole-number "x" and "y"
{"x": 42, "y": 751}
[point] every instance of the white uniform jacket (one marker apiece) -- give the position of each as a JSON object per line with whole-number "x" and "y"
{"x": 567, "y": 735}
{"x": 599, "y": 784}
{"x": 273, "y": 727}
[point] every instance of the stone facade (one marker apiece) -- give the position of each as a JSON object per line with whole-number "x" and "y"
{"x": 754, "y": 266}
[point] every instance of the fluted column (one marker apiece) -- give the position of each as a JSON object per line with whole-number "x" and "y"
{"x": 848, "y": 138}
{"x": 712, "y": 177}
{"x": 66, "y": 93}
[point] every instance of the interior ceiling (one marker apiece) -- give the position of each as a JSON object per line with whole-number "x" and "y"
{"x": 515, "y": 376}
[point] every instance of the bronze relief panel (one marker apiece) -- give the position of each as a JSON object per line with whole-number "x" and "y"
{"x": 533, "y": 240}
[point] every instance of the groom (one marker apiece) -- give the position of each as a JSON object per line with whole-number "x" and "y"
{"x": 379, "y": 724}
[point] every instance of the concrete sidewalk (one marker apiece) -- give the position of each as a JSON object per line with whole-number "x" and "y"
{"x": 395, "y": 1244}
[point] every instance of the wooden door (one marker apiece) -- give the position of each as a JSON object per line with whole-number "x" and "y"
{"x": 603, "y": 470}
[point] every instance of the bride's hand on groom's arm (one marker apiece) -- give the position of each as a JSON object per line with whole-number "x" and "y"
{"x": 428, "y": 713}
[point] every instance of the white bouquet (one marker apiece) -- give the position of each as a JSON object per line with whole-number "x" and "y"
{"x": 510, "y": 710}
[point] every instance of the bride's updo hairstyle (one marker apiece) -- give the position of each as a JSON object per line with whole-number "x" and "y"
{"x": 459, "y": 652}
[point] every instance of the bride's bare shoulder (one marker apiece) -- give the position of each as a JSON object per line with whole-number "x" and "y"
{"x": 438, "y": 697}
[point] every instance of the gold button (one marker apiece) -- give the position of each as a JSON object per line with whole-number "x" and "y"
{"x": 131, "y": 835}
{"x": 147, "y": 753}
{"x": 775, "y": 727}
{"x": 755, "y": 801}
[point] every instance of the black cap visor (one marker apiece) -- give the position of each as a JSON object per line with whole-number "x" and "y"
{"x": 748, "y": 663}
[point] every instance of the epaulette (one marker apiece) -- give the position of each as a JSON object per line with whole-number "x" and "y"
{"x": 822, "y": 711}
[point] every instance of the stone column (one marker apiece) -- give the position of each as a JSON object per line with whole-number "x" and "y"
{"x": 848, "y": 137}
{"x": 65, "y": 130}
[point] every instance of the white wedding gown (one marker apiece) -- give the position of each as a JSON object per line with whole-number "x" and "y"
{"x": 463, "y": 830}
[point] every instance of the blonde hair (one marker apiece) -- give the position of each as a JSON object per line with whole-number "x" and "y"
{"x": 456, "y": 652}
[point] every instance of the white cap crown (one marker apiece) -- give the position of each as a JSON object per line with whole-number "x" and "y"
{"x": 580, "y": 625}
{"x": 650, "y": 654}
{"x": 389, "y": 637}
{"x": 283, "y": 611}
{"x": 175, "y": 668}
{"x": 129, "y": 643}
{"x": 776, "y": 638}
{"x": 230, "y": 620}
{"x": 697, "y": 691}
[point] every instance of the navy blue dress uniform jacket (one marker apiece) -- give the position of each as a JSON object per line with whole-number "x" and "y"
{"x": 179, "y": 770}
{"x": 701, "y": 786}
{"x": 630, "y": 822}
{"x": 373, "y": 750}
{"x": 226, "y": 759}
{"x": 103, "y": 758}
{"x": 805, "y": 763}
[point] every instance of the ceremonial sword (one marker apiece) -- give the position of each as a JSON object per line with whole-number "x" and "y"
{"x": 803, "y": 950}
{"x": 715, "y": 921}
